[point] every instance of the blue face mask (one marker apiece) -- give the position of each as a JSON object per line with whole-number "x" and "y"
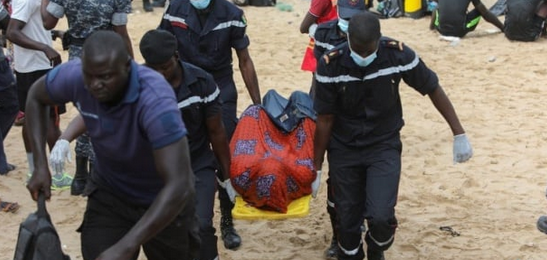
{"x": 200, "y": 4}
{"x": 343, "y": 25}
{"x": 359, "y": 60}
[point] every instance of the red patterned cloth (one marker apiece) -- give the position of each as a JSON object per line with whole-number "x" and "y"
{"x": 270, "y": 168}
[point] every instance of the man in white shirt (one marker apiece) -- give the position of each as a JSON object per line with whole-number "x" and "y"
{"x": 34, "y": 56}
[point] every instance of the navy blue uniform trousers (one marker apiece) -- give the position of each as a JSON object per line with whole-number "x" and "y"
{"x": 365, "y": 180}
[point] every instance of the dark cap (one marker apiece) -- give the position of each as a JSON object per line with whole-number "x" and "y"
{"x": 347, "y": 8}
{"x": 158, "y": 46}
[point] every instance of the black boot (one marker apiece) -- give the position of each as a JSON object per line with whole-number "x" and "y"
{"x": 147, "y": 6}
{"x": 158, "y": 3}
{"x": 80, "y": 177}
{"x": 333, "y": 249}
{"x": 229, "y": 235}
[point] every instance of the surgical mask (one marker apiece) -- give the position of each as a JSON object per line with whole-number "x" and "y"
{"x": 343, "y": 25}
{"x": 200, "y": 4}
{"x": 359, "y": 60}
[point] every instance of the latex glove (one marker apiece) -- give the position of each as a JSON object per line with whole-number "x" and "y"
{"x": 462, "y": 148}
{"x": 311, "y": 30}
{"x": 58, "y": 155}
{"x": 227, "y": 185}
{"x": 315, "y": 185}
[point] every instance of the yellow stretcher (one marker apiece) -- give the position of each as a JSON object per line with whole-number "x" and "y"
{"x": 297, "y": 209}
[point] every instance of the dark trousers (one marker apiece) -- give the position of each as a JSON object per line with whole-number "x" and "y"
{"x": 205, "y": 201}
{"x": 8, "y": 108}
{"x": 228, "y": 94}
{"x": 107, "y": 219}
{"x": 365, "y": 180}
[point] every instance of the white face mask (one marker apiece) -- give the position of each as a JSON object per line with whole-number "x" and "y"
{"x": 343, "y": 25}
{"x": 200, "y": 4}
{"x": 359, "y": 60}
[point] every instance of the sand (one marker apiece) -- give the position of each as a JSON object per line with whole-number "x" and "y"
{"x": 492, "y": 201}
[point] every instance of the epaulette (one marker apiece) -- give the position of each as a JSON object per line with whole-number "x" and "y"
{"x": 331, "y": 55}
{"x": 393, "y": 44}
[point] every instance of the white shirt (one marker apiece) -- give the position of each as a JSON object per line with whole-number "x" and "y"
{"x": 27, "y": 60}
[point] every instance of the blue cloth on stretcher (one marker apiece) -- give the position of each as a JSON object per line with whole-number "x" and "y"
{"x": 287, "y": 113}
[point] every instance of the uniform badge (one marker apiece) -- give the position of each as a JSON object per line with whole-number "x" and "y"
{"x": 244, "y": 19}
{"x": 394, "y": 44}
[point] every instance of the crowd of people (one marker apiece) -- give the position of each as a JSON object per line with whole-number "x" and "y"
{"x": 153, "y": 139}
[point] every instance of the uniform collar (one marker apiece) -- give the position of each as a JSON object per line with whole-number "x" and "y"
{"x": 217, "y": 12}
{"x": 188, "y": 78}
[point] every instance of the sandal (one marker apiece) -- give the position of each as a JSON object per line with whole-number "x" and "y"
{"x": 9, "y": 206}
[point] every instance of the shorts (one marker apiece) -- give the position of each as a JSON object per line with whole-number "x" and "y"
{"x": 24, "y": 82}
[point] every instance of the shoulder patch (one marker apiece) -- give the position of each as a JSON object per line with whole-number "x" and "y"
{"x": 393, "y": 44}
{"x": 331, "y": 55}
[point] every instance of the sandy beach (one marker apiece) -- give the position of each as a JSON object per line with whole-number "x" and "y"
{"x": 492, "y": 201}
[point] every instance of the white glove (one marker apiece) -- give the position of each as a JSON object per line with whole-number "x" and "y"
{"x": 311, "y": 30}
{"x": 462, "y": 148}
{"x": 58, "y": 155}
{"x": 315, "y": 184}
{"x": 227, "y": 185}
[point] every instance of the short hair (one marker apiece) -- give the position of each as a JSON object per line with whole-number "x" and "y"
{"x": 364, "y": 28}
{"x": 105, "y": 42}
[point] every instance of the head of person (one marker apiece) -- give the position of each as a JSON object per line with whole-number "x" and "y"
{"x": 363, "y": 38}
{"x": 106, "y": 65}
{"x": 159, "y": 50}
{"x": 346, "y": 9}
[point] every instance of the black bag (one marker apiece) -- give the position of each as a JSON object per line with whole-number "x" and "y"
{"x": 38, "y": 239}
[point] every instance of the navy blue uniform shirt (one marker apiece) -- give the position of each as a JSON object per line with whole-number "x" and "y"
{"x": 198, "y": 99}
{"x": 327, "y": 36}
{"x": 365, "y": 100}
{"x": 209, "y": 46}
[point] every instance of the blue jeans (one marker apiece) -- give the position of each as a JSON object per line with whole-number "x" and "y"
{"x": 8, "y": 108}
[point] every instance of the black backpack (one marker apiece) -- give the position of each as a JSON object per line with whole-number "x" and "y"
{"x": 38, "y": 239}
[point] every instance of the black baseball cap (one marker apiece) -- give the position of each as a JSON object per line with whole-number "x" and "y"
{"x": 158, "y": 46}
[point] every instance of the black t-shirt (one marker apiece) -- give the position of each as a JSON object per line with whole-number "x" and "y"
{"x": 365, "y": 100}
{"x": 521, "y": 22}
{"x": 452, "y": 16}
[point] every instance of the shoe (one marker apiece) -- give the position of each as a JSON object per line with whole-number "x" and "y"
{"x": 333, "y": 249}
{"x": 61, "y": 182}
{"x": 230, "y": 237}
{"x": 9, "y": 168}
{"x": 542, "y": 224}
{"x": 375, "y": 255}
{"x": 158, "y": 3}
{"x": 20, "y": 119}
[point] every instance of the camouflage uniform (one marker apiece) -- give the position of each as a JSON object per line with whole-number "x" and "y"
{"x": 85, "y": 17}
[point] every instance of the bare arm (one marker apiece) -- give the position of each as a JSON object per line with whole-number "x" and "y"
{"x": 308, "y": 20}
{"x": 75, "y": 128}
{"x": 16, "y": 35}
{"x": 489, "y": 16}
{"x": 36, "y": 120}
{"x": 48, "y": 19}
{"x": 173, "y": 165}
{"x": 323, "y": 132}
{"x": 444, "y": 106}
{"x": 219, "y": 142}
{"x": 122, "y": 31}
{"x": 248, "y": 73}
